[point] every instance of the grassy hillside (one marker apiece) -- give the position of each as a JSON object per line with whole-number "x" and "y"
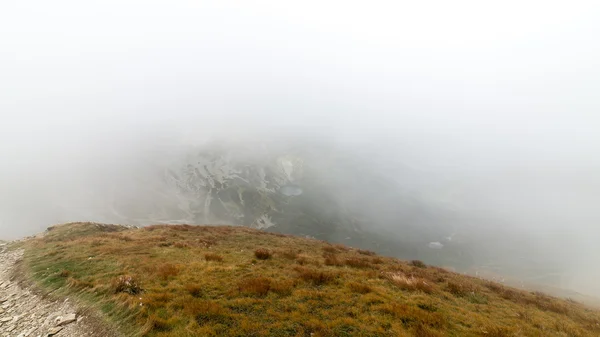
{"x": 235, "y": 281}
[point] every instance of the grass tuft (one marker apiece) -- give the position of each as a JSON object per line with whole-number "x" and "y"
{"x": 357, "y": 262}
{"x": 332, "y": 260}
{"x": 289, "y": 254}
{"x": 167, "y": 270}
{"x": 316, "y": 277}
{"x": 194, "y": 289}
{"x": 459, "y": 288}
{"x": 409, "y": 283}
{"x": 258, "y": 286}
{"x": 213, "y": 257}
{"x": 360, "y": 288}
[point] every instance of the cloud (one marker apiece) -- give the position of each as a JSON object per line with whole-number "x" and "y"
{"x": 496, "y": 102}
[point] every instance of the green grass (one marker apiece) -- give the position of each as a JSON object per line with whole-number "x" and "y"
{"x": 235, "y": 281}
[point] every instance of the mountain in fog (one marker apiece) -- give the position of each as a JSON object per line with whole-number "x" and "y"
{"x": 323, "y": 190}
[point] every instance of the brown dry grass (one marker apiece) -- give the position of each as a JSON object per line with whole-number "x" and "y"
{"x": 358, "y": 262}
{"x": 330, "y": 249}
{"x": 213, "y": 257}
{"x": 194, "y": 289}
{"x": 167, "y": 270}
{"x": 410, "y": 283}
{"x": 360, "y": 288}
{"x": 154, "y": 281}
{"x": 333, "y": 260}
{"x": 289, "y": 254}
{"x": 316, "y": 277}
{"x": 258, "y": 286}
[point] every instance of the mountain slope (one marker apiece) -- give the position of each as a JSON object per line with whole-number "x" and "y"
{"x": 185, "y": 280}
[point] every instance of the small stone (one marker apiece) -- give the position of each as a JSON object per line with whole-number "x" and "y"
{"x": 54, "y": 331}
{"x": 5, "y": 319}
{"x": 29, "y": 332}
{"x": 70, "y": 318}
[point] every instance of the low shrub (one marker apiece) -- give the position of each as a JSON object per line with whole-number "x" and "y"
{"x": 366, "y": 252}
{"x": 263, "y": 254}
{"x": 418, "y": 264}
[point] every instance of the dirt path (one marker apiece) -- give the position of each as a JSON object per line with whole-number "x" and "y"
{"x": 23, "y": 313}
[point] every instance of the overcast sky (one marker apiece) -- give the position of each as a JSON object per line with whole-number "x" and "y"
{"x": 503, "y": 96}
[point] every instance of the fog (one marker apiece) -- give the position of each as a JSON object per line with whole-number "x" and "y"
{"x": 494, "y": 105}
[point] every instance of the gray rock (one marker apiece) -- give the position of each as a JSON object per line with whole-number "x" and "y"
{"x": 54, "y": 331}
{"x": 26, "y": 334}
{"x": 70, "y": 318}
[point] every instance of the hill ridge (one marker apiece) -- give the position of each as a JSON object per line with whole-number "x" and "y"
{"x": 178, "y": 280}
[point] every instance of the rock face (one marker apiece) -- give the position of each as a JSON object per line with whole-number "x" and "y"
{"x": 320, "y": 191}
{"x": 24, "y": 314}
